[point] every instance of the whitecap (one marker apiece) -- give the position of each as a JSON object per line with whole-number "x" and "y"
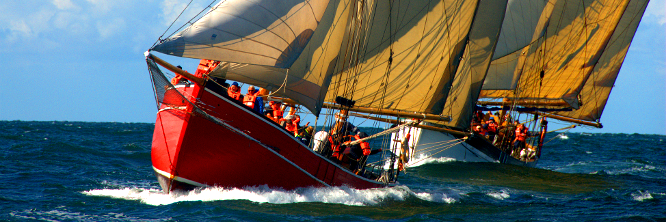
{"x": 563, "y": 137}
{"x": 263, "y": 194}
{"x": 501, "y": 195}
{"x": 641, "y": 196}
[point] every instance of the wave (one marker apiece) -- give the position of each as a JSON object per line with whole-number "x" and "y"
{"x": 644, "y": 195}
{"x": 263, "y": 194}
{"x": 419, "y": 161}
{"x": 64, "y": 215}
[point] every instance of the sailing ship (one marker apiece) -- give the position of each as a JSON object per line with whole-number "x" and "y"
{"x": 557, "y": 59}
{"x": 410, "y": 65}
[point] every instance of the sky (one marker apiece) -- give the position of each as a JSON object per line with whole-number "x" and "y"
{"x": 82, "y": 60}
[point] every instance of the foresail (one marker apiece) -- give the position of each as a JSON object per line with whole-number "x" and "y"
{"x": 524, "y": 23}
{"x": 557, "y": 66}
{"x": 469, "y": 78}
{"x": 261, "y": 32}
{"x": 403, "y": 55}
{"x": 306, "y": 80}
{"x": 598, "y": 87}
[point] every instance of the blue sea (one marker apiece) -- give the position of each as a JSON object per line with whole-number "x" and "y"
{"x": 83, "y": 171}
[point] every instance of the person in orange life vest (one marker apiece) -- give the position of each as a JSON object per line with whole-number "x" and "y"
{"x": 491, "y": 128}
{"x": 521, "y": 134}
{"x": 359, "y": 153}
{"x": 278, "y": 111}
{"x": 339, "y": 132}
{"x": 234, "y": 92}
{"x": 253, "y": 101}
{"x": 291, "y": 123}
{"x": 479, "y": 129}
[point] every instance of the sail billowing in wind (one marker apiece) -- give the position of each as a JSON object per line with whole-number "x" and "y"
{"x": 557, "y": 65}
{"x": 269, "y": 44}
{"x": 596, "y": 90}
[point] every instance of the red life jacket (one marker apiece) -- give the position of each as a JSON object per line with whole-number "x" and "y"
{"x": 492, "y": 127}
{"x": 521, "y": 134}
{"x": 235, "y": 95}
{"x": 292, "y": 125}
{"x": 249, "y": 100}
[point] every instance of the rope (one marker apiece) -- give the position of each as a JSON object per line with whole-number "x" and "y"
{"x": 382, "y": 133}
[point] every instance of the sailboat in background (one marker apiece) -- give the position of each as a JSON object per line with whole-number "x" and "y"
{"x": 554, "y": 58}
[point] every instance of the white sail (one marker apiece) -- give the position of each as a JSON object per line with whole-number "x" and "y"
{"x": 260, "y": 32}
{"x": 266, "y": 42}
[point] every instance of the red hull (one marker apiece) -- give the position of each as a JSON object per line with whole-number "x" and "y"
{"x": 190, "y": 151}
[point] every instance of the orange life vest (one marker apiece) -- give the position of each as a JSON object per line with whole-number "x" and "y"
{"x": 292, "y": 125}
{"x": 277, "y": 111}
{"x": 521, "y": 134}
{"x": 235, "y": 95}
{"x": 365, "y": 146}
{"x": 250, "y": 99}
{"x": 492, "y": 127}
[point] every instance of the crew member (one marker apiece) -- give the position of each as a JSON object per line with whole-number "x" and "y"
{"x": 253, "y": 101}
{"x": 491, "y": 129}
{"x": 234, "y": 92}
{"x": 520, "y": 134}
{"x": 340, "y": 131}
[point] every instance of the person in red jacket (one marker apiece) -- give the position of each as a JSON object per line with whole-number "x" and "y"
{"x": 521, "y": 135}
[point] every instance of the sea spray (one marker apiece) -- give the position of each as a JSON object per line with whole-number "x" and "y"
{"x": 263, "y": 194}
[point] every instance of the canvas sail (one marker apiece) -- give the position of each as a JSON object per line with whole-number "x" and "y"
{"x": 270, "y": 44}
{"x": 557, "y": 66}
{"x": 469, "y": 78}
{"x": 411, "y": 51}
{"x": 524, "y": 23}
{"x": 598, "y": 87}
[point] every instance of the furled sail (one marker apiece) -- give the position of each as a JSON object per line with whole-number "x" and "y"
{"x": 408, "y": 53}
{"x": 598, "y": 87}
{"x": 270, "y": 44}
{"x": 557, "y": 65}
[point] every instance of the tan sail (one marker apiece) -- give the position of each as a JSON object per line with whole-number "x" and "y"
{"x": 557, "y": 66}
{"x": 422, "y": 39}
{"x": 597, "y": 89}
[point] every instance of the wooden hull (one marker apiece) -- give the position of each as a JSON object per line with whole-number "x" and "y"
{"x": 190, "y": 150}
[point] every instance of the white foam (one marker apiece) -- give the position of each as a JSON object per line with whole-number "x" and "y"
{"x": 563, "y": 137}
{"x": 501, "y": 195}
{"x": 263, "y": 194}
{"x": 641, "y": 196}
{"x": 415, "y": 162}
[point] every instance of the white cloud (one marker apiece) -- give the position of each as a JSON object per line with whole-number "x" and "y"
{"x": 107, "y": 29}
{"x": 172, "y": 8}
{"x": 64, "y": 4}
{"x": 656, "y": 9}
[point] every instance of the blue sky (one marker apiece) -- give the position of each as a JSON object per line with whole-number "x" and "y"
{"x": 82, "y": 60}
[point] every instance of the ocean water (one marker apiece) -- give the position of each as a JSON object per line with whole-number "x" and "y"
{"x": 80, "y": 171}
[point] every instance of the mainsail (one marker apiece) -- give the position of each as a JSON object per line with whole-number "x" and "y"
{"x": 596, "y": 90}
{"x": 558, "y": 64}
